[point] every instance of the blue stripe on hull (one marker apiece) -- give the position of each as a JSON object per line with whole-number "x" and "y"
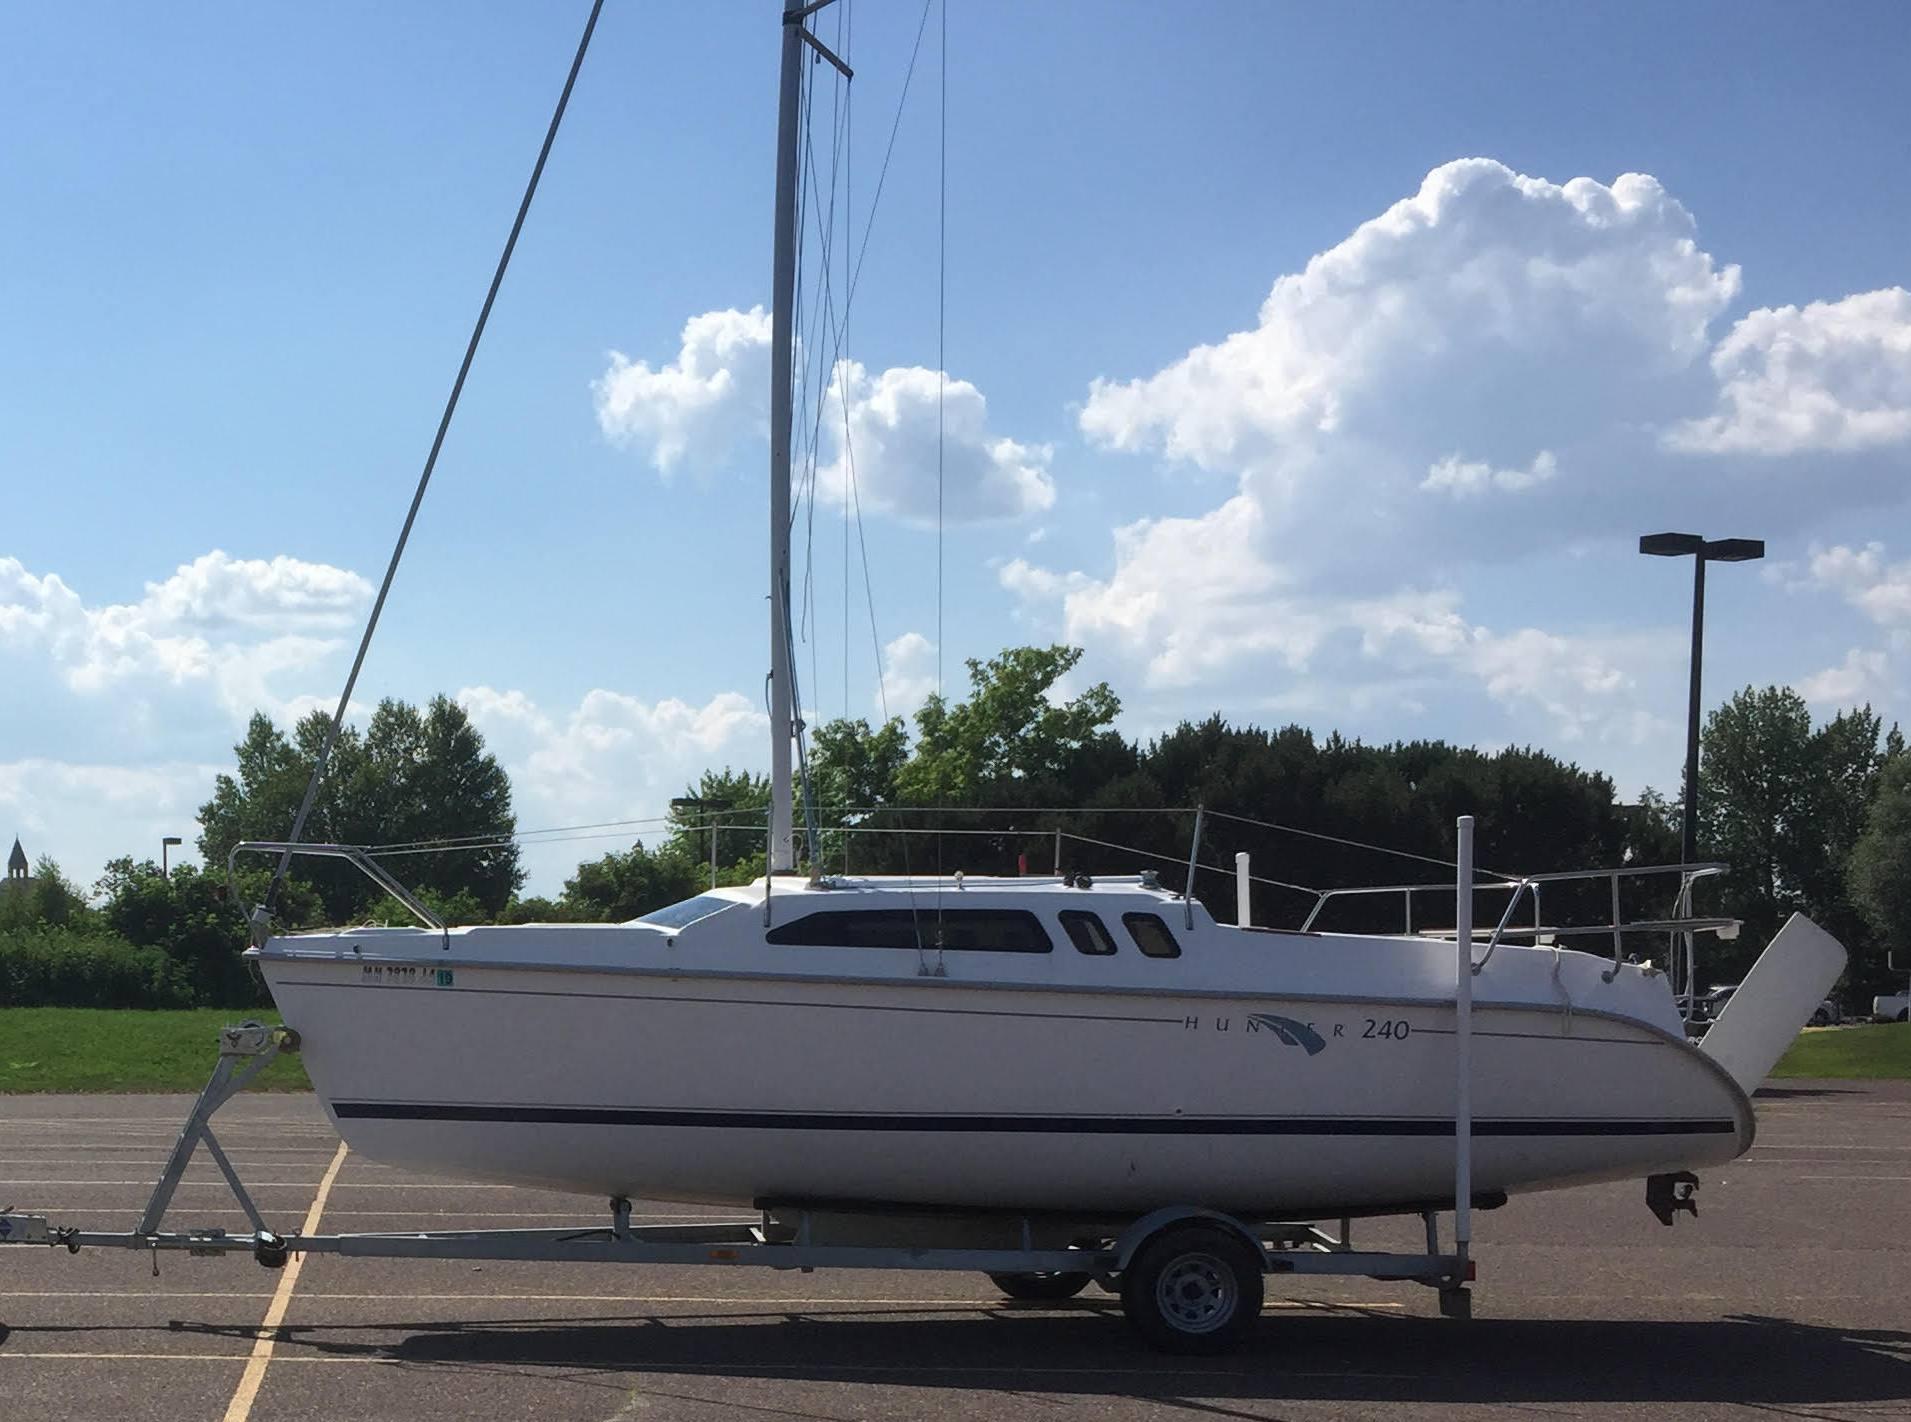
{"x": 1022, "y": 1125}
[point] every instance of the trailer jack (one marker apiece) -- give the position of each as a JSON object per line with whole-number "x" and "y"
{"x": 1671, "y": 1193}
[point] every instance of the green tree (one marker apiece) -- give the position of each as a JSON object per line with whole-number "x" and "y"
{"x": 853, "y": 766}
{"x": 535, "y": 909}
{"x": 1784, "y": 805}
{"x": 189, "y": 917}
{"x": 1880, "y": 872}
{"x": 736, "y": 798}
{"x": 48, "y": 899}
{"x": 620, "y": 887}
{"x": 411, "y": 780}
{"x": 1010, "y": 734}
{"x": 853, "y": 771}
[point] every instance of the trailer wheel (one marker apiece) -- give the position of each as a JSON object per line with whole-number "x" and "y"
{"x": 1036, "y": 1288}
{"x": 1193, "y": 1289}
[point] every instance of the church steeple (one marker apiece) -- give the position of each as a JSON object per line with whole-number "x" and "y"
{"x": 17, "y": 867}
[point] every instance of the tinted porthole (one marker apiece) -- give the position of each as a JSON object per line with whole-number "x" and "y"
{"x": 1151, "y": 935}
{"x": 1087, "y": 932}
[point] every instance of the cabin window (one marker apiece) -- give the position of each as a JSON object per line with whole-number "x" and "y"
{"x": 954, "y": 930}
{"x": 1151, "y": 935}
{"x": 680, "y": 915}
{"x": 1087, "y": 932}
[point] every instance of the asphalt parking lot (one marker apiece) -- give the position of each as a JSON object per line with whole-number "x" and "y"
{"x": 1789, "y": 1295}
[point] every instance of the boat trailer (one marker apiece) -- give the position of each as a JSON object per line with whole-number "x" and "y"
{"x": 1190, "y": 1279}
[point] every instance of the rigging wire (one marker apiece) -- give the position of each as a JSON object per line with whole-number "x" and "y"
{"x": 1352, "y": 843}
{"x": 431, "y": 459}
{"x": 889, "y": 152}
{"x": 942, "y": 364}
{"x": 849, "y": 210}
{"x": 942, "y": 309}
{"x": 560, "y": 834}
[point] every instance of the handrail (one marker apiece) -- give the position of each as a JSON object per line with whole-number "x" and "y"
{"x": 351, "y": 854}
{"x": 1515, "y": 889}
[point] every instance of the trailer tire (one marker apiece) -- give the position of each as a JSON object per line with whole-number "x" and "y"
{"x": 1037, "y": 1288}
{"x": 1195, "y": 1289}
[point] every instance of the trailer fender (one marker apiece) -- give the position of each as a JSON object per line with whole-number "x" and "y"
{"x": 1149, "y": 1225}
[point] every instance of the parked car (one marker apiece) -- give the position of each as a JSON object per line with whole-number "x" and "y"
{"x": 1713, "y": 1003}
{"x": 1707, "y": 1006}
{"x": 1896, "y": 1008}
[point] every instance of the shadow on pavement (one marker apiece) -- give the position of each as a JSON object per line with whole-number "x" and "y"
{"x": 1324, "y": 1353}
{"x": 1787, "y": 1093}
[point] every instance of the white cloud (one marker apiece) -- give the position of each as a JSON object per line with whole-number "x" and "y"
{"x": 1193, "y": 602}
{"x": 1878, "y": 589}
{"x": 123, "y": 706}
{"x": 896, "y": 421}
{"x": 1860, "y": 678}
{"x": 884, "y": 428}
{"x": 85, "y": 814}
{"x": 1032, "y": 582}
{"x": 1474, "y": 343}
{"x": 698, "y": 406}
{"x": 276, "y": 595}
{"x": 232, "y": 625}
{"x": 1832, "y": 376}
{"x": 908, "y": 675}
{"x": 1469, "y": 478}
{"x": 612, "y": 757}
{"x": 1189, "y": 597}
{"x": 1521, "y": 302}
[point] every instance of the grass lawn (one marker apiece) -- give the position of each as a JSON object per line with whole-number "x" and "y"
{"x": 98, "y": 1049}
{"x": 1871, "y": 1053}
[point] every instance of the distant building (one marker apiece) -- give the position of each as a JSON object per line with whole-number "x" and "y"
{"x": 19, "y": 872}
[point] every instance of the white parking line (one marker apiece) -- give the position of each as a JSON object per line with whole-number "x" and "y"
{"x": 240, "y": 1408}
{"x": 1855, "y": 1177}
{"x": 577, "y": 1217}
{"x": 437, "y": 1185}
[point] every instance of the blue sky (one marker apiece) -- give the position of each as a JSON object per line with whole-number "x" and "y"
{"x": 242, "y": 248}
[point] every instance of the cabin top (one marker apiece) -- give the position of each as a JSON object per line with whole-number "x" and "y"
{"x": 920, "y": 892}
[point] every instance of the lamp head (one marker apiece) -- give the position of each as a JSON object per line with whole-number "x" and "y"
{"x": 1671, "y": 545}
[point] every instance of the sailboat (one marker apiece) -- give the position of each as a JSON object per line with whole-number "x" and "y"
{"x": 1027, "y": 1044}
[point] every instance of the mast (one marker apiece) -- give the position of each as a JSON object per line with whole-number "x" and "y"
{"x": 782, "y": 850}
{"x": 782, "y": 855}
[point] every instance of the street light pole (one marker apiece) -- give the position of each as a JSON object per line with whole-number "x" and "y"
{"x": 1689, "y": 822}
{"x": 166, "y": 842}
{"x": 1702, "y": 551}
{"x": 688, "y": 804}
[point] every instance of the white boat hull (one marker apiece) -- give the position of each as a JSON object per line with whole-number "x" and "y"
{"x": 740, "y": 1089}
